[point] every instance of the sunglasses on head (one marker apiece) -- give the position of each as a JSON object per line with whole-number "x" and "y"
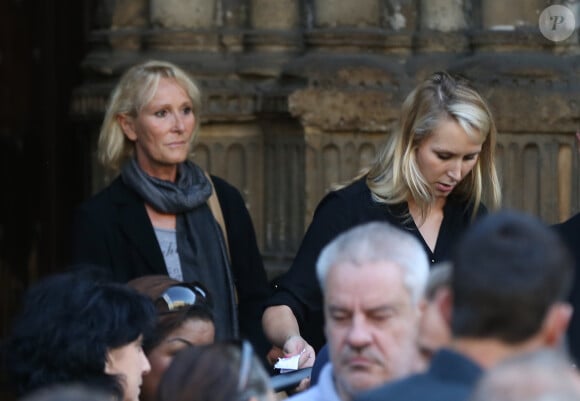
{"x": 181, "y": 296}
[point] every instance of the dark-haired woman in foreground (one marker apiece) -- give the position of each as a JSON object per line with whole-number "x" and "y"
{"x": 74, "y": 330}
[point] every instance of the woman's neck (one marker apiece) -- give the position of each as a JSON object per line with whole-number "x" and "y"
{"x": 165, "y": 221}
{"x": 430, "y": 223}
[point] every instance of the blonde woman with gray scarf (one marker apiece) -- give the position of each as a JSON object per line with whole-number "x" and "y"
{"x": 163, "y": 214}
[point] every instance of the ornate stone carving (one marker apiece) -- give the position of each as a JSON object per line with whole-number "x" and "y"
{"x": 298, "y": 94}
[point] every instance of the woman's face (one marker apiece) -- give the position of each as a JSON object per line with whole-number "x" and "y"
{"x": 162, "y": 131}
{"x": 446, "y": 156}
{"x": 130, "y": 364}
{"x": 191, "y": 332}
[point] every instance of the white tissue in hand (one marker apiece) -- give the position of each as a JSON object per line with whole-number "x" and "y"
{"x": 287, "y": 364}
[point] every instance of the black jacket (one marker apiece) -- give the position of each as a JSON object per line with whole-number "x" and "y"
{"x": 337, "y": 212}
{"x": 112, "y": 230}
{"x": 570, "y": 233}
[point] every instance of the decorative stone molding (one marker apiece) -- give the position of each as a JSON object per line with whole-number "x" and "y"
{"x": 298, "y": 94}
{"x": 337, "y": 13}
{"x": 508, "y": 15}
{"x": 543, "y": 168}
{"x": 280, "y": 15}
{"x": 443, "y": 15}
{"x": 183, "y": 14}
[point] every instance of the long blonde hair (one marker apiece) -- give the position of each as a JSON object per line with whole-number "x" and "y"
{"x": 395, "y": 176}
{"x": 133, "y": 92}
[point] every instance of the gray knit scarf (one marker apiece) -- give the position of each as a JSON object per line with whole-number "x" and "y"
{"x": 191, "y": 189}
{"x": 200, "y": 242}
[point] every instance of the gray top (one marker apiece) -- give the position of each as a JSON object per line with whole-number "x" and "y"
{"x": 168, "y": 243}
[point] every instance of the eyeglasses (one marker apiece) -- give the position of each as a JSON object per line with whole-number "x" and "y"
{"x": 247, "y": 354}
{"x": 180, "y": 296}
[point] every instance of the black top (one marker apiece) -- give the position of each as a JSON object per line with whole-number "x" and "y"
{"x": 337, "y": 212}
{"x": 450, "y": 377}
{"x": 112, "y": 230}
{"x": 570, "y": 233}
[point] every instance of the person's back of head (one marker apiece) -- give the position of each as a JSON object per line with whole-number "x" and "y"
{"x": 216, "y": 372}
{"x": 66, "y": 328}
{"x": 508, "y": 272}
{"x": 544, "y": 375}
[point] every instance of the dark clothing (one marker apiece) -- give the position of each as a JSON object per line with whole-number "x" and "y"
{"x": 570, "y": 233}
{"x": 450, "y": 377}
{"x": 113, "y": 230}
{"x": 337, "y": 212}
{"x": 322, "y": 358}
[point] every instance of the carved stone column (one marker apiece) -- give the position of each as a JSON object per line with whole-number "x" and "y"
{"x": 507, "y": 15}
{"x": 511, "y": 26}
{"x": 534, "y": 100}
{"x": 298, "y": 94}
{"x": 183, "y": 14}
{"x": 235, "y": 152}
{"x": 204, "y": 25}
{"x": 346, "y": 113}
{"x": 275, "y": 15}
{"x": 128, "y": 19}
{"x": 443, "y": 15}
{"x": 183, "y": 25}
{"x": 367, "y": 26}
{"x": 333, "y": 13}
{"x": 443, "y": 24}
{"x": 119, "y": 24}
{"x": 274, "y": 38}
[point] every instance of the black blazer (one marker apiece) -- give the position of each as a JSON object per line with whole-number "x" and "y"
{"x": 570, "y": 233}
{"x": 112, "y": 230}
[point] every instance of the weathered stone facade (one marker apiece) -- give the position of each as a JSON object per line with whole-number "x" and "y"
{"x": 298, "y": 94}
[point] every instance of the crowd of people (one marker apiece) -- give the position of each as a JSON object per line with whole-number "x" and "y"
{"x": 409, "y": 284}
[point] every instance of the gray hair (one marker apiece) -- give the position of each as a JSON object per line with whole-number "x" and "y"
{"x": 544, "y": 375}
{"x": 439, "y": 277}
{"x": 378, "y": 241}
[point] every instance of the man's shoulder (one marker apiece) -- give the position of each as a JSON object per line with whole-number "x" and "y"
{"x": 570, "y": 227}
{"x": 450, "y": 377}
{"x": 409, "y": 388}
{"x": 419, "y": 387}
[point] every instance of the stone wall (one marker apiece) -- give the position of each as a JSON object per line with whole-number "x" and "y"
{"x": 298, "y": 94}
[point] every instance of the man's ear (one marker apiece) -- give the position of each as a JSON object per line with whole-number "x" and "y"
{"x": 556, "y": 323}
{"x": 127, "y": 125}
{"x": 444, "y": 299}
{"x": 108, "y": 365}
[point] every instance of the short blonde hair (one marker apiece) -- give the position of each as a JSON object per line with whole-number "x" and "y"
{"x": 134, "y": 91}
{"x": 395, "y": 176}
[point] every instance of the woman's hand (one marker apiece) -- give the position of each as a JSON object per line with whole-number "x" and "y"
{"x": 296, "y": 345}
